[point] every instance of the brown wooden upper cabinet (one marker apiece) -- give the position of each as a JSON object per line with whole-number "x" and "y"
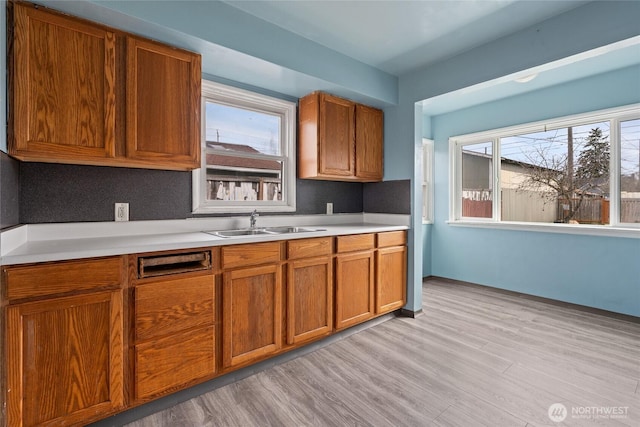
{"x": 339, "y": 140}
{"x": 74, "y": 84}
{"x": 163, "y": 104}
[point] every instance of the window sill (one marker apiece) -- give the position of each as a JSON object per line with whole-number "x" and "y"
{"x": 588, "y": 230}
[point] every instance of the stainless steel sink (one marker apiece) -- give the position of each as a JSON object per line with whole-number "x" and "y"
{"x": 240, "y": 232}
{"x": 283, "y": 230}
{"x": 262, "y": 231}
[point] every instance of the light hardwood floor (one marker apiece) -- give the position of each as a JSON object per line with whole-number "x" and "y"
{"x": 475, "y": 357}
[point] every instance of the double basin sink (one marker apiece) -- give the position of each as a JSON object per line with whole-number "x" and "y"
{"x": 262, "y": 231}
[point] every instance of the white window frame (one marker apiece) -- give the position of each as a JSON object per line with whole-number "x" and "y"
{"x": 427, "y": 181}
{"x": 615, "y": 228}
{"x": 232, "y": 96}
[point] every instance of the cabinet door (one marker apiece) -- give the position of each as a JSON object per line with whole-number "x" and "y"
{"x": 337, "y": 136}
{"x": 391, "y": 278}
{"x": 175, "y": 335}
{"x": 354, "y": 288}
{"x": 65, "y": 359}
{"x": 163, "y": 105}
{"x": 63, "y": 80}
{"x": 309, "y": 299}
{"x": 369, "y": 143}
{"x": 174, "y": 361}
{"x": 252, "y": 314}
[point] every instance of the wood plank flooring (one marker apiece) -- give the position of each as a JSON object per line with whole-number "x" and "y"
{"x": 476, "y": 357}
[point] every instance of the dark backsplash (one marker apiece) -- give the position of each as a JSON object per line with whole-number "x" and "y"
{"x": 73, "y": 193}
{"x": 9, "y": 191}
{"x": 392, "y": 197}
{"x": 42, "y": 192}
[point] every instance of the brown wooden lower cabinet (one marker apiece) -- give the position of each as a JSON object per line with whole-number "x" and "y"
{"x": 65, "y": 359}
{"x": 170, "y": 363}
{"x": 309, "y": 299}
{"x": 63, "y": 355}
{"x": 391, "y": 278}
{"x": 251, "y": 314}
{"x": 84, "y": 339}
{"x": 354, "y": 288}
{"x": 175, "y": 335}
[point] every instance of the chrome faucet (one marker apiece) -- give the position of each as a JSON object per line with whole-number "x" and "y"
{"x": 253, "y": 218}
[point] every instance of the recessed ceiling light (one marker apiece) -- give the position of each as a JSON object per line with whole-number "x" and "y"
{"x": 528, "y": 78}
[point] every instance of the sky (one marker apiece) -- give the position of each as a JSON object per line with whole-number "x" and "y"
{"x": 244, "y": 127}
{"x": 534, "y": 148}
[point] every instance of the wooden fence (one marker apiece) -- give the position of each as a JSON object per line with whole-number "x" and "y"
{"x": 476, "y": 208}
{"x": 477, "y": 203}
{"x": 596, "y": 211}
{"x": 525, "y": 207}
{"x": 630, "y": 210}
{"x": 589, "y": 211}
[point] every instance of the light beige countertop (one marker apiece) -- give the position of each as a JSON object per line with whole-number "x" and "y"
{"x": 56, "y": 242}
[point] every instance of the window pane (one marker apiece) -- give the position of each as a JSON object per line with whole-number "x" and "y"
{"x": 630, "y": 171}
{"x": 246, "y": 131}
{"x": 232, "y": 133}
{"x": 248, "y": 152}
{"x": 243, "y": 179}
{"x": 477, "y": 180}
{"x": 561, "y": 175}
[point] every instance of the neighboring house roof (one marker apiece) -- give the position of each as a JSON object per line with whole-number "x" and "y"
{"x": 595, "y": 187}
{"x": 506, "y": 160}
{"x": 238, "y": 162}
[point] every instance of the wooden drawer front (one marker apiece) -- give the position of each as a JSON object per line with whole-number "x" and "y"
{"x": 166, "y": 307}
{"x": 358, "y": 242}
{"x": 307, "y": 248}
{"x": 244, "y": 255}
{"x": 392, "y": 238}
{"x": 171, "y": 362}
{"x": 63, "y": 277}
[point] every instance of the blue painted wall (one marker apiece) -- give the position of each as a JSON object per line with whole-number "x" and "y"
{"x": 596, "y": 271}
{"x": 559, "y": 37}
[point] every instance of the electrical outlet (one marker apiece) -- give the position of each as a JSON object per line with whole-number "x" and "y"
{"x": 122, "y": 212}
{"x": 329, "y": 208}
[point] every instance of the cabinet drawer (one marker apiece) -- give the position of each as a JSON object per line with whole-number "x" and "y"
{"x": 253, "y": 254}
{"x": 166, "y": 307}
{"x": 392, "y": 238}
{"x": 306, "y": 248}
{"x": 31, "y": 281}
{"x": 358, "y": 242}
{"x": 171, "y": 362}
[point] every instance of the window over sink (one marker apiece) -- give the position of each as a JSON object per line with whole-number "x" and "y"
{"x": 248, "y": 152}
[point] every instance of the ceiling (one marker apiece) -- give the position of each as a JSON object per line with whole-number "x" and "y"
{"x": 397, "y": 36}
